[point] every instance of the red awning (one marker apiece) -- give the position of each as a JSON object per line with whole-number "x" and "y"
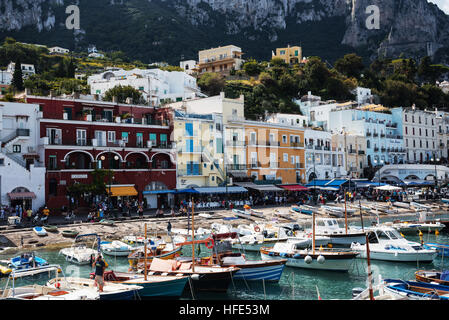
{"x": 21, "y": 195}
{"x": 294, "y": 187}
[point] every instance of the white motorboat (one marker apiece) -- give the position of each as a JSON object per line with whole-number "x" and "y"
{"x": 385, "y": 243}
{"x": 338, "y": 236}
{"x": 79, "y": 254}
{"x": 133, "y": 240}
{"x": 39, "y": 292}
{"x": 111, "y": 291}
{"x": 320, "y": 259}
{"x": 117, "y": 249}
{"x": 415, "y": 227}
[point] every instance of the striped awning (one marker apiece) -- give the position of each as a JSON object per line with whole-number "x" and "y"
{"x": 21, "y": 195}
{"x": 122, "y": 191}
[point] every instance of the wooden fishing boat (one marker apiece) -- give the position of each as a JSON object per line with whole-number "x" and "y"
{"x": 70, "y": 233}
{"x": 416, "y": 290}
{"x": 250, "y": 270}
{"x": 163, "y": 251}
{"x": 433, "y": 276}
{"x": 295, "y": 209}
{"x": 49, "y": 228}
{"x": 211, "y": 278}
{"x": 154, "y": 286}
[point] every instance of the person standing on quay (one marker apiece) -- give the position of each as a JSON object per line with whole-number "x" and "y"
{"x": 99, "y": 266}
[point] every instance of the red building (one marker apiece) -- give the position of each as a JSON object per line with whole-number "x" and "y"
{"x": 78, "y": 136}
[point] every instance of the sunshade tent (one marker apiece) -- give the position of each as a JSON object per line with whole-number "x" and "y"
{"x": 122, "y": 191}
{"x": 221, "y": 190}
{"x": 388, "y": 188}
{"x": 294, "y": 187}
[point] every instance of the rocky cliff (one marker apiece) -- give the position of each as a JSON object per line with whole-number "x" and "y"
{"x": 171, "y": 28}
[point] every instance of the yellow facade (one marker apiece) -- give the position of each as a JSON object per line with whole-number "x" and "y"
{"x": 221, "y": 59}
{"x": 290, "y": 55}
{"x": 275, "y": 152}
{"x": 199, "y": 150}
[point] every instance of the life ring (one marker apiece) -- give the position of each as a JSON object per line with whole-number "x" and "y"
{"x": 210, "y": 243}
{"x": 257, "y": 229}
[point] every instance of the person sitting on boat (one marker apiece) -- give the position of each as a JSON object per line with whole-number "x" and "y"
{"x": 100, "y": 266}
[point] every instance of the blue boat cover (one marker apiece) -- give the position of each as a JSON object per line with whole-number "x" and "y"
{"x": 444, "y": 275}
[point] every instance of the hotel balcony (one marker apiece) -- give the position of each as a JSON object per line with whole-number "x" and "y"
{"x": 194, "y": 149}
{"x": 186, "y": 172}
{"x": 361, "y": 152}
{"x": 376, "y": 149}
{"x": 254, "y": 165}
{"x": 391, "y": 125}
{"x": 299, "y": 165}
{"x": 235, "y": 143}
{"x": 297, "y": 144}
{"x": 236, "y": 167}
{"x": 375, "y": 134}
{"x": 309, "y": 146}
{"x": 368, "y": 133}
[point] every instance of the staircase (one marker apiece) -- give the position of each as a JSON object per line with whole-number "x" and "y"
{"x": 213, "y": 161}
{"x": 18, "y": 134}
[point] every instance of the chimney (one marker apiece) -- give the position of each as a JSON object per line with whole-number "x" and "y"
{"x": 27, "y": 92}
{"x": 76, "y": 95}
{"x": 222, "y": 95}
{"x": 52, "y": 94}
{"x": 129, "y": 100}
{"x": 115, "y": 99}
{"x": 242, "y": 97}
{"x": 96, "y": 97}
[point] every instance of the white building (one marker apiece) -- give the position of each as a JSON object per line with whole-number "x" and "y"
{"x": 288, "y": 119}
{"x": 412, "y": 172}
{"x": 444, "y": 86}
{"x": 155, "y": 85}
{"x": 420, "y": 135}
{"x": 322, "y": 160}
{"x": 363, "y": 95}
{"x": 188, "y": 66}
{"x": 5, "y": 77}
{"x": 442, "y": 124}
{"x": 58, "y": 50}
{"x": 22, "y": 176}
{"x": 27, "y": 69}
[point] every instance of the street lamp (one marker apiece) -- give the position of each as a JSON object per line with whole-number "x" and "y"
{"x": 381, "y": 162}
{"x": 103, "y": 158}
{"x": 435, "y": 160}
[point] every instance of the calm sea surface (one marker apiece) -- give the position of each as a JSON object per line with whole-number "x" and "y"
{"x": 295, "y": 284}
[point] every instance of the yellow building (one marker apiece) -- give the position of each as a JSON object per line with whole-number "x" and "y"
{"x": 290, "y": 55}
{"x": 199, "y": 148}
{"x": 274, "y": 152}
{"x": 221, "y": 59}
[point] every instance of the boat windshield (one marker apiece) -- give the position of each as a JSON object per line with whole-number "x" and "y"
{"x": 393, "y": 234}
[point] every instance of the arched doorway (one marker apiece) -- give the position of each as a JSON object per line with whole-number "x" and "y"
{"x": 78, "y": 160}
{"x": 21, "y": 197}
{"x": 312, "y": 176}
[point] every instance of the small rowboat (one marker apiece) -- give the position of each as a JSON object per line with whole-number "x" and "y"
{"x": 107, "y": 222}
{"x": 51, "y": 228}
{"x": 416, "y": 290}
{"x": 40, "y": 231}
{"x": 433, "y": 276}
{"x": 443, "y": 249}
{"x": 70, "y": 233}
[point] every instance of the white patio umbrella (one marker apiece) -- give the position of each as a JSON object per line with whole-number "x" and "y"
{"x": 388, "y": 188}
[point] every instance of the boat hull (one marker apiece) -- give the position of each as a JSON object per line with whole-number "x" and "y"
{"x": 211, "y": 281}
{"x": 255, "y": 247}
{"x": 162, "y": 289}
{"x": 344, "y": 240}
{"x": 412, "y": 290}
{"x": 330, "y": 264}
{"x": 443, "y": 250}
{"x": 400, "y": 256}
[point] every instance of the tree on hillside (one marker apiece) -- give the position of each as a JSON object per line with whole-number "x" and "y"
{"x": 351, "y": 65}
{"x": 124, "y": 92}
{"x": 211, "y": 83}
{"x": 252, "y": 68}
{"x": 17, "y": 78}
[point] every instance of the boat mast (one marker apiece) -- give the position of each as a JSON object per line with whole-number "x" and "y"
{"x": 193, "y": 236}
{"x": 346, "y": 215}
{"x": 313, "y": 232}
{"x": 145, "y": 259}
{"x": 370, "y": 281}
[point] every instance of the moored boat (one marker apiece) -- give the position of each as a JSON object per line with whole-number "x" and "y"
{"x": 111, "y": 291}
{"x": 388, "y": 245}
{"x": 116, "y": 249}
{"x": 49, "y": 228}
{"x": 154, "y": 286}
{"x": 70, "y": 233}
{"x": 26, "y": 260}
{"x": 40, "y": 231}
{"x": 442, "y": 249}
{"x": 413, "y": 290}
{"x": 79, "y": 254}
{"x": 433, "y": 276}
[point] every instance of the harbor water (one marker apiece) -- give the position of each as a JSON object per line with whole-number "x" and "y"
{"x": 295, "y": 283}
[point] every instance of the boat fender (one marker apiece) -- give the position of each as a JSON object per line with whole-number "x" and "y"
{"x": 195, "y": 277}
{"x": 57, "y": 285}
{"x": 308, "y": 259}
{"x": 297, "y": 256}
{"x": 257, "y": 229}
{"x": 283, "y": 254}
{"x": 437, "y": 232}
{"x": 321, "y": 259}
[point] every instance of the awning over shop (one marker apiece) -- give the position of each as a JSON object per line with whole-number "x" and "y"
{"x": 21, "y": 195}
{"x": 158, "y": 192}
{"x": 187, "y": 191}
{"x": 122, "y": 191}
{"x": 336, "y": 183}
{"x": 294, "y": 187}
{"x": 238, "y": 174}
{"x": 259, "y": 187}
{"x": 221, "y": 190}
{"x": 366, "y": 184}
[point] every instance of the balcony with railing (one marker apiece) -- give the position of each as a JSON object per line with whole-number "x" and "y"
{"x": 254, "y": 165}
{"x": 318, "y": 147}
{"x": 299, "y": 165}
{"x": 376, "y": 149}
{"x": 297, "y": 144}
{"x": 361, "y": 152}
{"x": 236, "y": 167}
{"x": 375, "y": 134}
{"x": 232, "y": 143}
{"x": 391, "y": 125}
{"x": 193, "y": 149}
{"x": 309, "y": 146}
{"x": 190, "y": 172}
{"x": 368, "y": 133}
